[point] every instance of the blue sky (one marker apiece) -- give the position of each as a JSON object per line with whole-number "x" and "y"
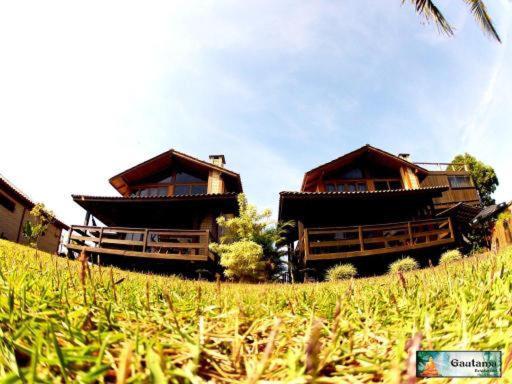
{"x": 88, "y": 89}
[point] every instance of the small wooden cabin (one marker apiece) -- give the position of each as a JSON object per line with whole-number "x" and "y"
{"x": 370, "y": 202}
{"x": 15, "y": 209}
{"x": 166, "y": 209}
{"x": 502, "y": 230}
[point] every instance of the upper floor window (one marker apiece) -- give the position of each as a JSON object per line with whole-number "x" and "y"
{"x": 151, "y": 192}
{"x": 353, "y": 173}
{"x": 7, "y": 203}
{"x": 384, "y": 185}
{"x": 460, "y": 181}
{"x": 190, "y": 189}
{"x": 183, "y": 177}
{"x": 346, "y": 187}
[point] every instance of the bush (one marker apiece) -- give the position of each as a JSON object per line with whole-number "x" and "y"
{"x": 242, "y": 260}
{"x": 341, "y": 272}
{"x": 403, "y": 265}
{"x": 450, "y": 257}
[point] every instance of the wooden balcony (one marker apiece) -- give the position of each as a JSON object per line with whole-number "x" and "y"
{"x": 346, "y": 242}
{"x": 179, "y": 244}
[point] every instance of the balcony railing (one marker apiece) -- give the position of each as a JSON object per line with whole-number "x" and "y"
{"x": 179, "y": 244}
{"x": 345, "y": 242}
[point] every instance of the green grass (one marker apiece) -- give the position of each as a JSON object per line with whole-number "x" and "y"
{"x": 150, "y": 328}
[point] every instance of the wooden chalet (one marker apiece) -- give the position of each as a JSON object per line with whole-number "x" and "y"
{"x": 166, "y": 209}
{"x": 370, "y": 202}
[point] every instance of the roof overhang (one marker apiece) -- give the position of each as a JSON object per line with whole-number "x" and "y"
{"x": 162, "y": 211}
{"x": 290, "y": 203}
{"x": 163, "y": 161}
{"x": 490, "y": 212}
{"x": 460, "y": 212}
{"x": 385, "y": 157}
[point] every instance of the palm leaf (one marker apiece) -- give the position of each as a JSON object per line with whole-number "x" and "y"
{"x": 428, "y": 9}
{"x": 479, "y": 10}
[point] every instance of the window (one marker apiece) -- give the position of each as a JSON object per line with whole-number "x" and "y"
{"x": 460, "y": 181}
{"x": 182, "y": 189}
{"x": 346, "y": 187}
{"x": 384, "y": 185}
{"x": 395, "y": 184}
{"x": 183, "y": 177}
{"x": 354, "y": 173}
{"x": 152, "y": 192}
{"x": 198, "y": 189}
{"x": 7, "y": 203}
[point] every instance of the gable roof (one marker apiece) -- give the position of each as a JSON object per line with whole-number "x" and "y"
{"x": 164, "y": 160}
{"x": 347, "y": 158}
{"x": 20, "y": 197}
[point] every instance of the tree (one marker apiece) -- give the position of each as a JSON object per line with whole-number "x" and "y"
{"x": 249, "y": 248}
{"x": 33, "y": 230}
{"x": 483, "y": 175}
{"x": 429, "y": 10}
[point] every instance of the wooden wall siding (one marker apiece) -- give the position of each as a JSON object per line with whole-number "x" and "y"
{"x": 452, "y": 196}
{"x": 502, "y": 235}
{"x": 49, "y": 242}
{"x": 10, "y": 222}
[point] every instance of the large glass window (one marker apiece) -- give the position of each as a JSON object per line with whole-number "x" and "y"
{"x": 183, "y": 177}
{"x": 353, "y": 173}
{"x": 395, "y": 184}
{"x": 7, "y": 203}
{"x": 346, "y": 186}
{"x": 460, "y": 181}
{"x": 384, "y": 185}
{"x": 152, "y": 192}
{"x": 182, "y": 189}
{"x": 198, "y": 189}
{"x": 381, "y": 185}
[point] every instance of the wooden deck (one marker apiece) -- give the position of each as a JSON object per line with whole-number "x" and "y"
{"x": 188, "y": 245}
{"x": 345, "y": 242}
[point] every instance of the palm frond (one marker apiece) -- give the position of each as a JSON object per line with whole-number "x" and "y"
{"x": 428, "y": 9}
{"x": 479, "y": 10}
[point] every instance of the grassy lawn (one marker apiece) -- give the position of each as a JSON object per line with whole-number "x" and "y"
{"x": 62, "y": 323}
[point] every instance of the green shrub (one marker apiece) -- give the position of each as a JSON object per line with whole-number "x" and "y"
{"x": 403, "y": 265}
{"x": 242, "y": 260}
{"x": 341, "y": 272}
{"x": 450, "y": 257}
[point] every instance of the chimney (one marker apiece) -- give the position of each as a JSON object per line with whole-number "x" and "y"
{"x": 218, "y": 160}
{"x": 405, "y": 156}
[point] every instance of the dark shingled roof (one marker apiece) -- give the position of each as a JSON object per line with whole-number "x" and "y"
{"x": 489, "y": 212}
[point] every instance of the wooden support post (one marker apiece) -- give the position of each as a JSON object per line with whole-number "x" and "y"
{"x": 409, "y": 228}
{"x": 145, "y": 240}
{"x": 69, "y": 234}
{"x": 451, "y": 227}
{"x": 101, "y": 237}
{"x": 87, "y": 218}
{"x": 306, "y": 244}
{"x": 206, "y": 243}
{"x": 361, "y": 241}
